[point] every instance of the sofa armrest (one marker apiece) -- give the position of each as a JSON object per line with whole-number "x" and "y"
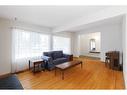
{"x": 48, "y": 62}
{"x": 68, "y": 56}
{"x": 47, "y": 59}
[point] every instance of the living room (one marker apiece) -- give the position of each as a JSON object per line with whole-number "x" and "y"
{"x": 41, "y": 29}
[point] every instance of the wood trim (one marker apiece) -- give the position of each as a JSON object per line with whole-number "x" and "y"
{"x": 8, "y": 74}
{"x": 124, "y": 81}
{"x": 75, "y": 57}
{"x": 94, "y": 52}
{"x": 98, "y": 58}
{"x": 21, "y": 71}
{"x": 5, "y": 75}
{"x": 102, "y": 61}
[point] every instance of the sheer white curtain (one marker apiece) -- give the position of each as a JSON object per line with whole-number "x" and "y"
{"x": 62, "y": 43}
{"x": 27, "y": 45}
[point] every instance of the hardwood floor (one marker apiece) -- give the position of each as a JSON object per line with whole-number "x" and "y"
{"x": 93, "y": 75}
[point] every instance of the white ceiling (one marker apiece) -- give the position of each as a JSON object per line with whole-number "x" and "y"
{"x": 50, "y": 16}
{"x": 112, "y": 20}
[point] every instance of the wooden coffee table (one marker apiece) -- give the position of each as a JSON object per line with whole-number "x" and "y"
{"x": 67, "y": 65}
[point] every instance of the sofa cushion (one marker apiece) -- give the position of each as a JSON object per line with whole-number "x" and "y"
{"x": 59, "y": 61}
{"x": 49, "y": 54}
{"x": 57, "y": 54}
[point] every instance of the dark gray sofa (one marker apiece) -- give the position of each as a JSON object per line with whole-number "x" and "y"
{"x": 53, "y": 58}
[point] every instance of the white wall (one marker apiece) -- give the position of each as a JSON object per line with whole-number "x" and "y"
{"x": 85, "y": 43}
{"x": 76, "y": 44}
{"x": 124, "y": 44}
{"x": 111, "y": 37}
{"x": 5, "y": 47}
{"x": 30, "y": 27}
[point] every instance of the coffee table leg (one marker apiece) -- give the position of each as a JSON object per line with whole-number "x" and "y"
{"x": 81, "y": 65}
{"x": 62, "y": 74}
{"x": 29, "y": 64}
{"x": 55, "y": 71}
{"x": 34, "y": 68}
{"x": 38, "y": 66}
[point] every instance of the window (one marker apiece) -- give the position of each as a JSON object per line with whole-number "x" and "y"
{"x": 61, "y": 43}
{"x": 29, "y": 44}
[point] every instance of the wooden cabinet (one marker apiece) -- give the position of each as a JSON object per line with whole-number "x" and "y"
{"x": 112, "y": 59}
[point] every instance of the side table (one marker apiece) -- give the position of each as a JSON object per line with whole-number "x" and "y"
{"x": 36, "y": 63}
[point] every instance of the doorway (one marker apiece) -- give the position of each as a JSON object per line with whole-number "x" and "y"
{"x": 90, "y": 45}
